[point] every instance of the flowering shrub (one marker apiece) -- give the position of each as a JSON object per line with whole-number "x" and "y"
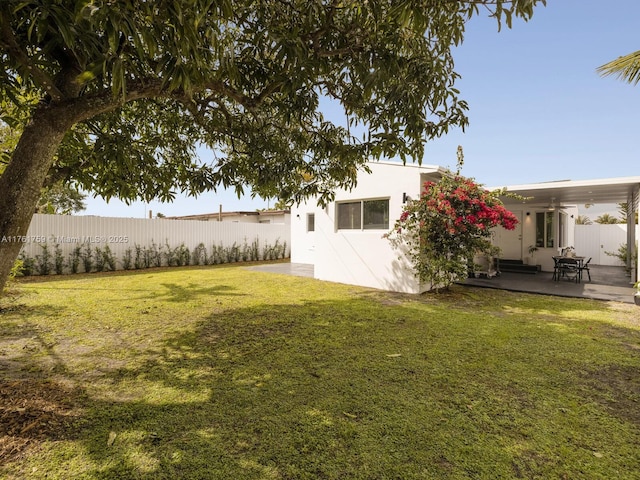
{"x": 450, "y": 223}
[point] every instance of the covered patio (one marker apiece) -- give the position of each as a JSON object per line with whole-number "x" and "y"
{"x": 607, "y": 283}
{"x": 554, "y": 196}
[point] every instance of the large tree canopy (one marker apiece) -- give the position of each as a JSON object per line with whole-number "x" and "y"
{"x": 127, "y": 90}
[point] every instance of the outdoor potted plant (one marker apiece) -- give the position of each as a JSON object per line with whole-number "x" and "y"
{"x": 532, "y": 250}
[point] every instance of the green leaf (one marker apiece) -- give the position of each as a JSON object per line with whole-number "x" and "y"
{"x": 118, "y": 85}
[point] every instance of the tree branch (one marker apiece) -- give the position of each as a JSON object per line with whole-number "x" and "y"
{"x": 247, "y": 101}
{"x": 88, "y": 106}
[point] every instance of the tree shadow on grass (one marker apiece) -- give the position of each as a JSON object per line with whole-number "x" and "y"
{"x": 20, "y": 339}
{"x": 183, "y": 293}
{"x": 340, "y": 389}
{"x": 175, "y": 292}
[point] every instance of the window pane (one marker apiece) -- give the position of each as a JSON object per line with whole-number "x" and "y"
{"x": 311, "y": 222}
{"x": 540, "y": 229}
{"x": 549, "y": 229}
{"x": 376, "y": 214}
{"x": 349, "y": 216}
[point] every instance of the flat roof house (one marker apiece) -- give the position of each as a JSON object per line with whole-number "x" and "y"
{"x": 344, "y": 240}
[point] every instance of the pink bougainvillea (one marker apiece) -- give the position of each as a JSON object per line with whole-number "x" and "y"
{"x": 449, "y": 224}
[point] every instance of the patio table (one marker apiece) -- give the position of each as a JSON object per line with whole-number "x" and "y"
{"x": 561, "y": 262}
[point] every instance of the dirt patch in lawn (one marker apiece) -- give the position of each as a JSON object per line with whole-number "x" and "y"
{"x": 617, "y": 387}
{"x": 32, "y": 412}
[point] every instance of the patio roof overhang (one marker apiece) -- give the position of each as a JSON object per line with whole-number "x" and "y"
{"x": 572, "y": 192}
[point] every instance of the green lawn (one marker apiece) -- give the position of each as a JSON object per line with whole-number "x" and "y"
{"x": 226, "y": 373}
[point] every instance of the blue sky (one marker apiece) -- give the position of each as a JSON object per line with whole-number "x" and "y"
{"x": 538, "y": 109}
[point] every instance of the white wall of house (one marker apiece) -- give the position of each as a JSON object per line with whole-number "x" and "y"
{"x": 360, "y": 256}
{"x": 303, "y": 235}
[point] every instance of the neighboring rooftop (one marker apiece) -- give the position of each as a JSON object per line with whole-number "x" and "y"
{"x": 220, "y": 216}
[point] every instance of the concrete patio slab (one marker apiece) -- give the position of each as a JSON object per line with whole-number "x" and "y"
{"x": 296, "y": 269}
{"x": 607, "y": 283}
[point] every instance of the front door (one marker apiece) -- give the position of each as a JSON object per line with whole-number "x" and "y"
{"x": 509, "y": 241}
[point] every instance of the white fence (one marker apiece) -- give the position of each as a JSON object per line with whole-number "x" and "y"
{"x": 65, "y": 234}
{"x": 595, "y": 240}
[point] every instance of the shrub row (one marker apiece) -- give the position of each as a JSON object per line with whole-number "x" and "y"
{"x": 86, "y": 258}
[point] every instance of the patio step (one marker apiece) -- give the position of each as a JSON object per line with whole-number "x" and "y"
{"x": 516, "y": 266}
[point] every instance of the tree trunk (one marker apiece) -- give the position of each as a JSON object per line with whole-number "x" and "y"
{"x": 23, "y": 178}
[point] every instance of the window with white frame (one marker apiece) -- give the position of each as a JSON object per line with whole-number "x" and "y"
{"x": 363, "y": 215}
{"x": 545, "y": 233}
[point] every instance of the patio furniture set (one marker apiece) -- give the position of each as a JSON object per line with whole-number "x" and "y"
{"x": 570, "y": 267}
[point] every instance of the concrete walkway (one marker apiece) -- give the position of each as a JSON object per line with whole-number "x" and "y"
{"x": 296, "y": 269}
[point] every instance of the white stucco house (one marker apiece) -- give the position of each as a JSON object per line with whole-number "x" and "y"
{"x": 344, "y": 240}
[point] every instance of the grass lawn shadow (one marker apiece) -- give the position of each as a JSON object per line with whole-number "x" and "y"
{"x": 321, "y": 381}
